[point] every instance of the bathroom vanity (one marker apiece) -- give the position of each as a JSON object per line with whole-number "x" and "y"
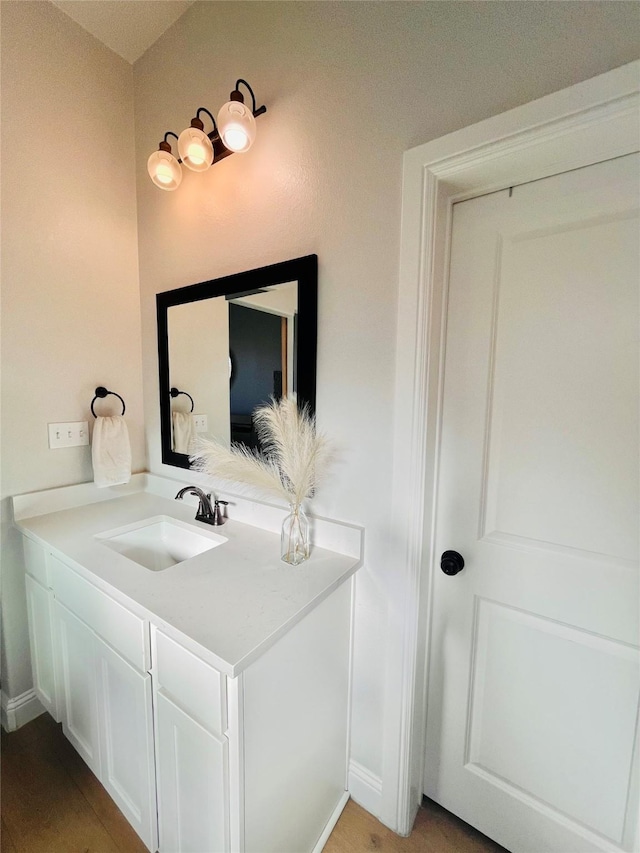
{"x": 211, "y": 696}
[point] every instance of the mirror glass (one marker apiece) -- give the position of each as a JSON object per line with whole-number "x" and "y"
{"x": 227, "y": 346}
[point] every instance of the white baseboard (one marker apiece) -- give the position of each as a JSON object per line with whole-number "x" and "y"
{"x": 326, "y": 832}
{"x": 20, "y": 710}
{"x": 365, "y": 788}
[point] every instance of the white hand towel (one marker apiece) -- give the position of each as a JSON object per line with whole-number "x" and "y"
{"x": 183, "y": 431}
{"x": 111, "y": 452}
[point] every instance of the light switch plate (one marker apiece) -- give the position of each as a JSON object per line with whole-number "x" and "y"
{"x": 200, "y": 423}
{"x": 74, "y": 434}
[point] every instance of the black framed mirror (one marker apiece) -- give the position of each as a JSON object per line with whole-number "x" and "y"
{"x": 227, "y": 345}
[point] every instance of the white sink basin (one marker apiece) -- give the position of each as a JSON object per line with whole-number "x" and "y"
{"x": 160, "y": 542}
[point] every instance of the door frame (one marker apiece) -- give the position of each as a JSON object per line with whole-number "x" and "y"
{"x": 587, "y": 123}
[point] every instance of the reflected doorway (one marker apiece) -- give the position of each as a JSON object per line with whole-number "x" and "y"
{"x": 258, "y": 346}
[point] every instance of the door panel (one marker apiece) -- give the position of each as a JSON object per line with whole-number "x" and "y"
{"x": 554, "y": 305}
{"x": 192, "y": 783}
{"x": 127, "y": 740}
{"x": 588, "y": 778}
{"x": 534, "y": 678}
{"x": 79, "y": 686}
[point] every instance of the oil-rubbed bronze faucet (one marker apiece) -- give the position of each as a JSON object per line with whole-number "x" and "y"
{"x": 207, "y": 513}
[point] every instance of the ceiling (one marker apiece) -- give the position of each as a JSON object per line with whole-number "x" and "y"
{"x": 128, "y": 27}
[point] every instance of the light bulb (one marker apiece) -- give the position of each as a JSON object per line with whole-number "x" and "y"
{"x": 163, "y": 174}
{"x": 236, "y": 139}
{"x": 236, "y": 126}
{"x": 195, "y": 149}
{"x": 164, "y": 170}
{"x": 195, "y": 154}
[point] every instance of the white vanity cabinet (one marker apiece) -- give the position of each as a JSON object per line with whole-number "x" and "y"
{"x": 255, "y": 763}
{"x": 41, "y": 627}
{"x": 216, "y": 729}
{"x": 95, "y": 681}
{"x": 291, "y": 707}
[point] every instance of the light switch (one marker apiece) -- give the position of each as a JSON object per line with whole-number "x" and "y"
{"x": 200, "y": 423}
{"x": 73, "y": 434}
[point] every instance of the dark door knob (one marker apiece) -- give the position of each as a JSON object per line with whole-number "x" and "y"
{"x": 451, "y": 562}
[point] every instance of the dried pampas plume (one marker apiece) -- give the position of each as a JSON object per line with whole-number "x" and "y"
{"x": 293, "y": 459}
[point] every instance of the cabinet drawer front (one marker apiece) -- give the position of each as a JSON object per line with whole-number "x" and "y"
{"x": 121, "y": 628}
{"x": 35, "y": 561}
{"x": 191, "y": 683}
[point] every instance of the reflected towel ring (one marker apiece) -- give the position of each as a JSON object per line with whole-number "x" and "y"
{"x": 102, "y": 392}
{"x": 174, "y": 393}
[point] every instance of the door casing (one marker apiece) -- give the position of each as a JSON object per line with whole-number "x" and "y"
{"x": 587, "y": 123}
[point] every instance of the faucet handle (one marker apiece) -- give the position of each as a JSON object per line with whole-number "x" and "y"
{"x": 218, "y": 517}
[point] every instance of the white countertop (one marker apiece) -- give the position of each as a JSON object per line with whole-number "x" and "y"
{"x": 228, "y": 604}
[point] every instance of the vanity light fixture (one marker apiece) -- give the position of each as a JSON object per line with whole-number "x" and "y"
{"x": 234, "y": 132}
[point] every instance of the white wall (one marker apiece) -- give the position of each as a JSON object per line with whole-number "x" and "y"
{"x": 349, "y": 87}
{"x": 70, "y": 299}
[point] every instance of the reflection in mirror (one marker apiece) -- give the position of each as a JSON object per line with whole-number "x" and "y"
{"x": 227, "y": 346}
{"x": 198, "y": 366}
{"x": 227, "y": 356}
{"x": 262, "y": 343}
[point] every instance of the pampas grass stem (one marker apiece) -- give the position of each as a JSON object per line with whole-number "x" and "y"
{"x": 294, "y": 455}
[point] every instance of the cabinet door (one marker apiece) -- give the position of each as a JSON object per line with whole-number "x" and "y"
{"x": 42, "y": 642}
{"x": 192, "y": 783}
{"x": 79, "y": 707}
{"x": 126, "y": 740}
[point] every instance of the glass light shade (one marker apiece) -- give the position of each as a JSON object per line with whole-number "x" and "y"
{"x": 236, "y": 126}
{"x": 164, "y": 170}
{"x": 195, "y": 149}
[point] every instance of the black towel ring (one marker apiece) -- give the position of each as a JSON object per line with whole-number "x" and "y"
{"x": 174, "y": 393}
{"x": 102, "y": 392}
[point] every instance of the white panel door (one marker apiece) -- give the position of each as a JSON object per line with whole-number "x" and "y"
{"x": 126, "y": 733}
{"x": 193, "y": 811}
{"x": 534, "y": 678}
{"x": 79, "y": 709}
{"x": 41, "y": 640}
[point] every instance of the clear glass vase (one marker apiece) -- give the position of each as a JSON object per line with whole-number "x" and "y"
{"x": 294, "y": 542}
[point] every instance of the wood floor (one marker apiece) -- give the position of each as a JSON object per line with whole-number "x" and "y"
{"x": 435, "y": 831}
{"x": 52, "y": 803}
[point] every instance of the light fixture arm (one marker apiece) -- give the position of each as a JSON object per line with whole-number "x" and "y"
{"x": 256, "y": 112}
{"x": 214, "y": 132}
{"x": 166, "y": 146}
